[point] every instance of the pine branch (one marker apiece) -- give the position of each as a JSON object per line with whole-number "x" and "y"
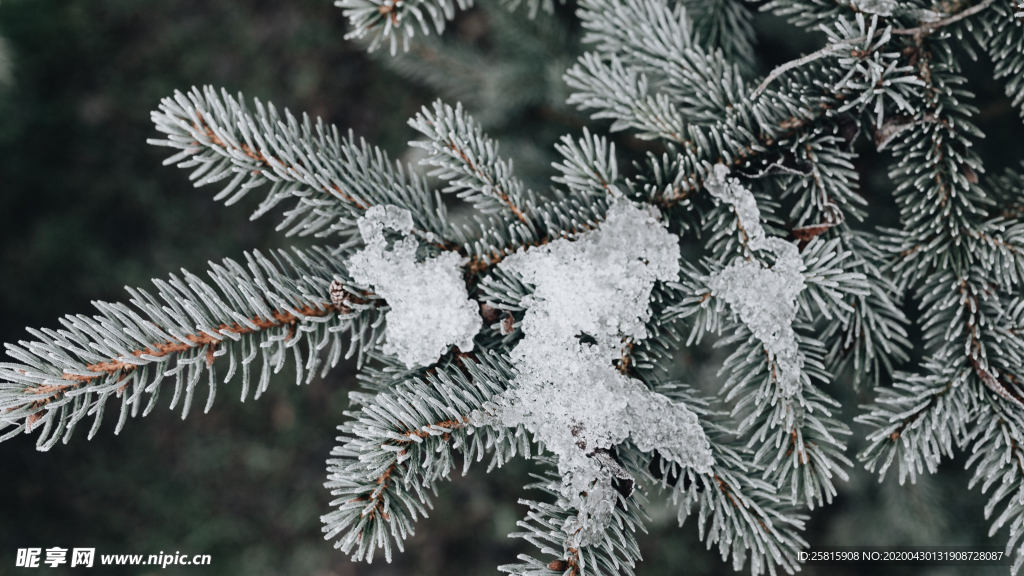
{"x": 835, "y": 48}
{"x": 332, "y": 179}
{"x": 468, "y": 160}
{"x": 740, "y": 513}
{"x": 273, "y": 308}
{"x": 659, "y": 44}
{"x": 1001, "y": 34}
{"x": 918, "y": 421}
{"x": 544, "y": 527}
{"x": 386, "y": 20}
{"x": 400, "y": 443}
{"x": 998, "y": 456}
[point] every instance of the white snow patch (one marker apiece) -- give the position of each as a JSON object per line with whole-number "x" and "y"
{"x": 430, "y": 308}
{"x": 763, "y": 298}
{"x": 591, "y": 298}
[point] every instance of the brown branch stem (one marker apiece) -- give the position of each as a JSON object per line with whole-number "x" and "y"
{"x": 502, "y": 195}
{"x": 259, "y": 157}
{"x": 122, "y": 366}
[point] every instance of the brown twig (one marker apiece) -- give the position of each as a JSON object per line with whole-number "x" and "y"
{"x": 378, "y": 507}
{"x": 725, "y": 489}
{"x": 422, "y": 432}
{"x": 970, "y": 301}
{"x": 572, "y": 562}
{"x": 122, "y": 366}
{"x": 502, "y": 195}
{"x": 259, "y": 157}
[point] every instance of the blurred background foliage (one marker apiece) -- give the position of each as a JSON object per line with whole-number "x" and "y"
{"x": 87, "y": 208}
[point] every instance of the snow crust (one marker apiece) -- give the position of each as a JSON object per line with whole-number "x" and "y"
{"x": 430, "y": 308}
{"x": 591, "y": 298}
{"x": 763, "y": 298}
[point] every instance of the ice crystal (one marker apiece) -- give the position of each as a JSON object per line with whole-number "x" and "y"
{"x": 763, "y": 298}
{"x": 590, "y": 299}
{"x": 430, "y": 308}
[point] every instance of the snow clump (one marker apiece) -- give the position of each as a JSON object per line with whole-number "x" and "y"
{"x": 430, "y": 308}
{"x": 763, "y": 298}
{"x": 590, "y": 300}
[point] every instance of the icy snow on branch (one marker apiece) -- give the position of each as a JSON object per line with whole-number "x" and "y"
{"x": 591, "y": 298}
{"x": 763, "y": 298}
{"x": 430, "y": 308}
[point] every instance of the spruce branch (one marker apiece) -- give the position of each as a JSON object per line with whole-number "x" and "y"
{"x": 274, "y": 309}
{"x": 562, "y": 217}
{"x": 799, "y": 442}
{"x": 592, "y": 278}
{"x": 959, "y": 221}
{"x": 826, "y": 194}
{"x": 332, "y": 179}
{"x": 589, "y": 166}
{"x": 998, "y": 456}
{"x": 386, "y": 20}
{"x": 1001, "y": 35}
{"x": 795, "y": 440}
{"x": 380, "y": 21}
{"x": 725, "y": 25}
{"x": 617, "y": 81}
{"x": 918, "y": 420}
{"x": 834, "y": 48}
{"x": 616, "y": 553}
{"x": 659, "y": 44}
{"x": 808, "y": 14}
{"x": 873, "y": 338}
{"x": 401, "y": 442}
{"x": 936, "y": 161}
{"x": 623, "y": 94}
{"x": 468, "y": 160}
{"x": 737, "y": 511}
